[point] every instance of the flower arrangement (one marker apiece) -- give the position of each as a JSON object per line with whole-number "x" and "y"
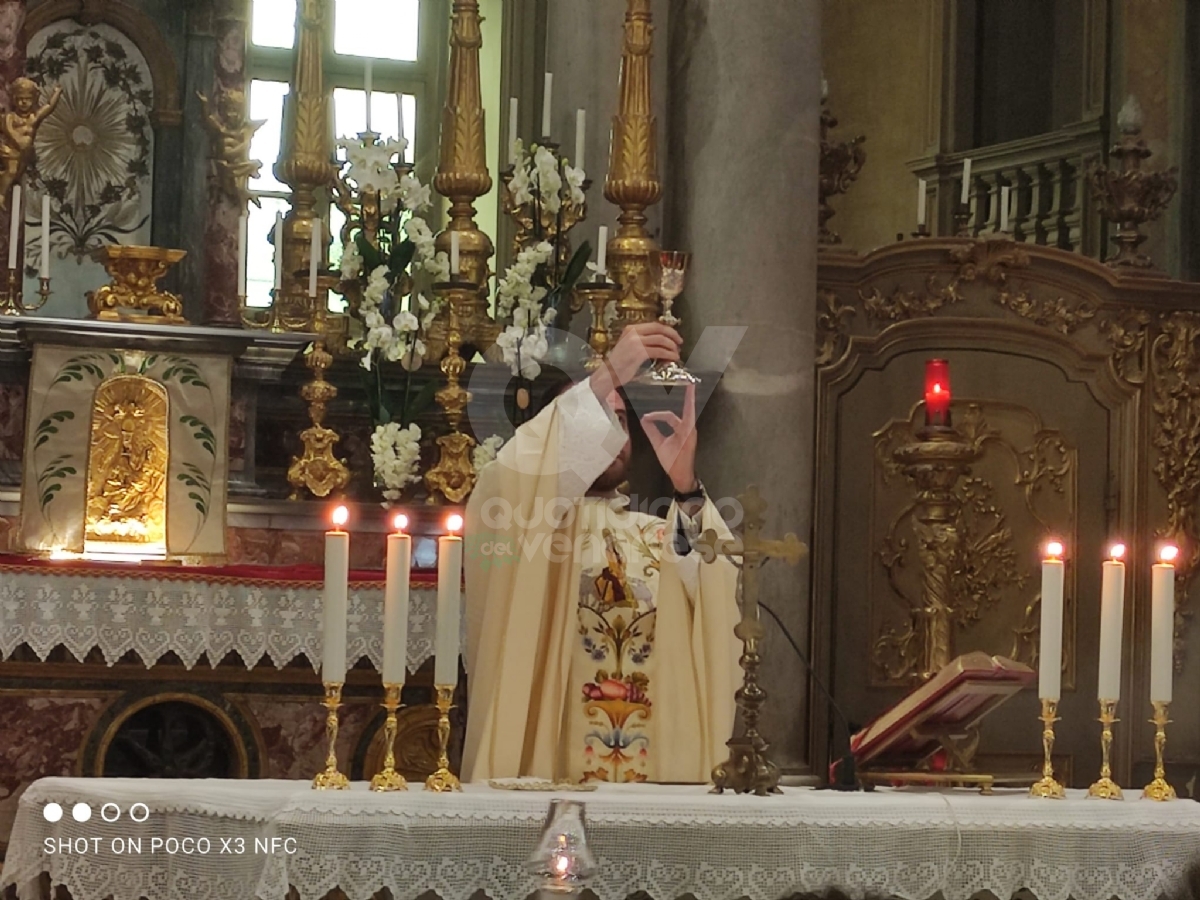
{"x": 396, "y": 453}
{"x": 486, "y": 452}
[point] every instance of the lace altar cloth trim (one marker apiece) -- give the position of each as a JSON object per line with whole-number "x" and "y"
{"x": 667, "y": 841}
{"x": 118, "y": 612}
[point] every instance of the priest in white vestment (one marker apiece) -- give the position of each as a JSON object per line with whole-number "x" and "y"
{"x": 600, "y": 647}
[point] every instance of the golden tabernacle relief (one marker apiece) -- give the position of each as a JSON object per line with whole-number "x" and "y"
{"x": 127, "y": 464}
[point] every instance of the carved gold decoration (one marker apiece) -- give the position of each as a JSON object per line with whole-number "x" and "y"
{"x": 442, "y": 780}
{"x": 1105, "y": 788}
{"x": 1046, "y": 786}
{"x": 128, "y": 453}
{"x": 599, "y": 295}
{"x": 387, "y": 778}
{"x": 749, "y": 768}
{"x": 230, "y": 133}
{"x": 318, "y": 471}
{"x": 453, "y": 476}
{"x": 632, "y": 182}
{"x": 1128, "y": 196}
{"x": 1159, "y": 788}
{"x": 841, "y": 161}
{"x": 832, "y": 319}
{"x": 135, "y": 272}
{"x": 21, "y": 123}
{"x": 1125, "y": 331}
{"x": 331, "y": 779}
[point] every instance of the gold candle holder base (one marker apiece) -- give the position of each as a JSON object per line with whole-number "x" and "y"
{"x": 1046, "y": 786}
{"x": 388, "y": 779}
{"x": 1158, "y": 789}
{"x": 599, "y": 295}
{"x": 443, "y": 781}
{"x": 331, "y": 779}
{"x": 1105, "y": 788}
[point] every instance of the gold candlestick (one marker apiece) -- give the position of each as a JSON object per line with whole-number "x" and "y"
{"x": 1047, "y": 786}
{"x": 599, "y": 295}
{"x": 1106, "y": 788}
{"x": 443, "y": 780}
{"x": 1158, "y": 789}
{"x": 388, "y": 779}
{"x": 331, "y": 779}
{"x": 10, "y": 298}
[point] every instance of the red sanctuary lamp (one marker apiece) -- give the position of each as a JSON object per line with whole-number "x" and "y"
{"x": 937, "y": 393}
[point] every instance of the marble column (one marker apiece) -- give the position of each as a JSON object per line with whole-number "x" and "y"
{"x": 742, "y": 197}
{"x": 12, "y": 66}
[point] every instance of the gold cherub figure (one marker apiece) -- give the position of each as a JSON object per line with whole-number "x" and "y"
{"x": 18, "y": 127}
{"x": 230, "y": 133}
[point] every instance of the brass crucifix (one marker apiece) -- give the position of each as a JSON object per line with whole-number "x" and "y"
{"x": 748, "y": 767}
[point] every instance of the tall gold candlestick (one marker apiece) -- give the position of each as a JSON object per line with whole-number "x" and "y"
{"x": 1158, "y": 789}
{"x": 388, "y": 779}
{"x": 1047, "y": 786}
{"x": 443, "y": 780}
{"x": 331, "y": 779}
{"x": 1105, "y": 788}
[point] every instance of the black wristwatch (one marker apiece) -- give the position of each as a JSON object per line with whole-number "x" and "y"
{"x": 697, "y": 494}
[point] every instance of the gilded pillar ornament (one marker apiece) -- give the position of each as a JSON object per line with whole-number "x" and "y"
{"x": 305, "y": 165}
{"x": 453, "y": 476}
{"x": 841, "y": 161}
{"x": 632, "y": 182}
{"x": 318, "y": 471}
{"x": 1128, "y": 196}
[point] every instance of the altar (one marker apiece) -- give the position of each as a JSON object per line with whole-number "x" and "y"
{"x": 278, "y": 839}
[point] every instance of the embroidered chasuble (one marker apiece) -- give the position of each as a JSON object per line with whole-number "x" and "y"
{"x": 595, "y": 652}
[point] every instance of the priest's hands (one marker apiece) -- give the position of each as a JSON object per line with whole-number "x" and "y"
{"x": 676, "y": 448}
{"x": 639, "y": 344}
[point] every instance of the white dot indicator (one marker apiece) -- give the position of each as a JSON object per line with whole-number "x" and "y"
{"x": 81, "y": 812}
{"x": 53, "y": 812}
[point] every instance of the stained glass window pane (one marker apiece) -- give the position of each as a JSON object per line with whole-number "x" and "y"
{"x": 260, "y": 253}
{"x": 273, "y": 23}
{"x": 383, "y": 30}
{"x": 266, "y": 102}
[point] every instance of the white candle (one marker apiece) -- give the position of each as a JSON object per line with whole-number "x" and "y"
{"x": 314, "y": 255}
{"x": 1112, "y": 611}
{"x": 44, "y": 270}
{"x": 337, "y": 588}
{"x": 243, "y": 226}
{"x": 1162, "y": 625}
{"x": 1005, "y": 200}
{"x": 455, "y": 238}
{"x": 546, "y": 94}
{"x": 400, "y": 125}
{"x": 922, "y": 198}
{"x": 602, "y": 248}
{"x": 278, "y": 251}
{"x": 367, "y": 90}
{"x": 395, "y": 604}
{"x": 513, "y": 130}
{"x": 14, "y": 226}
{"x": 1050, "y": 652}
{"x": 966, "y": 183}
{"x": 445, "y": 664}
{"x": 580, "y": 133}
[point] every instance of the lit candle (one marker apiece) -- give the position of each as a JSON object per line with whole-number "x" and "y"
{"x": 1162, "y": 625}
{"x": 278, "y": 251}
{"x": 337, "y": 588}
{"x": 1005, "y": 200}
{"x": 1112, "y": 611}
{"x": 513, "y": 130}
{"x": 580, "y": 132}
{"x": 546, "y": 93}
{"x": 314, "y": 254}
{"x": 450, "y": 551}
{"x": 243, "y": 225}
{"x": 44, "y": 268}
{"x": 14, "y": 226}
{"x": 937, "y": 393}
{"x": 455, "y": 239}
{"x": 602, "y": 250}
{"x": 367, "y": 90}
{"x": 922, "y": 198}
{"x": 395, "y": 603}
{"x": 1050, "y": 653}
{"x": 966, "y": 183}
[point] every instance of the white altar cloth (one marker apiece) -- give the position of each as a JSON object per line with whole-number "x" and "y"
{"x": 668, "y": 841}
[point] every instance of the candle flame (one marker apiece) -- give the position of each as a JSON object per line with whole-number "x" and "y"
{"x": 400, "y": 522}
{"x": 1116, "y": 552}
{"x": 1168, "y": 553}
{"x": 340, "y": 516}
{"x": 454, "y": 523}
{"x": 937, "y": 387}
{"x": 1054, "y": 550}
{"x": 561, "y": 864}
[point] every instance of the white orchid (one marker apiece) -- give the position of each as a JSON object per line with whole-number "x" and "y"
{"x": 371, "y": 165}
{"x": 396, "y": 455}
{"x": 486, "y": 452}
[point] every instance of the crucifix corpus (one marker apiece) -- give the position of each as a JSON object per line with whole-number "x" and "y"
{"x": 749, "y": 768}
